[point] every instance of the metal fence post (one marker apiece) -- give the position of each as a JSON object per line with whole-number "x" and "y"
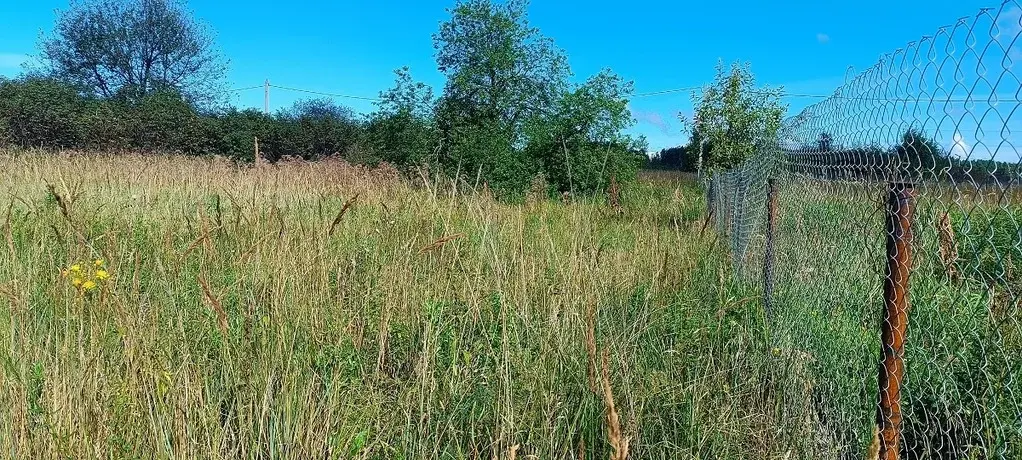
{"x": 711, "y": 198}
{"x": 711, "y": 205}
{"x": 895, "y": 322}
{"x": 768, "y": 257}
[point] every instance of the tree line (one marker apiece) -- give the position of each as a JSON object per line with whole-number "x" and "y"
{"x": 42, "y": 112}
{"x": 145, "y": 76}
{"x": 915, "y": 157}
{"x": 735, "y": 120}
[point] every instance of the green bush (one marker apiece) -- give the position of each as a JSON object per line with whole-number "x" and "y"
{"x": 588, "y": 167}
{"x": 165, "y": 122}
{"x": 105, "y": 126}
{"x": 311, "y": 129}
{"x": 482, "y": 152}
{"x": 234, "y": 132}
{"x": 403, "y": 129}
{"x": 40, "y": 112}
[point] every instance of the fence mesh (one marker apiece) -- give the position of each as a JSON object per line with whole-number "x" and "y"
{"x": 907, "y": 181}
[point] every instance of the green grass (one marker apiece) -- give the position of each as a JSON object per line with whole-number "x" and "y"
{"x": 252, "y": 314}
{"x": 962, "y": 371}
{"x": 429, "y": 323}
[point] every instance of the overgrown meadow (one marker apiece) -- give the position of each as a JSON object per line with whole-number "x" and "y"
{"x": 175, "y": 307}
{"x": 321, "y": 310}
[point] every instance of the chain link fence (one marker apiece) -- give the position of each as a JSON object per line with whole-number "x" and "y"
{"x": 885, "y": 231}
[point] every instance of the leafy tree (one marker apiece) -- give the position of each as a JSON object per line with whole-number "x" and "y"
{"x": 697, "y": 149}
{"x": 580, "y": 145}
{"x": 133, "y": 48}
{"x": 501, "y": 72}
{"x": 497, "y": 65}
{"x": 919, "y": 153}
{"x": 402, "y": 129}
{"x": 736, "y": 117}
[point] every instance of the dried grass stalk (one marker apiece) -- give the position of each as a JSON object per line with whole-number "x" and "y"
{"x": 618, "y": 442}
{"x": 948, "y": 246}
{"x": 221, "y": 314}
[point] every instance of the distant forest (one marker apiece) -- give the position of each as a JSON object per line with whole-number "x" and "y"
{"x": 681, "y": 158}
{"x": 916, "y": 157}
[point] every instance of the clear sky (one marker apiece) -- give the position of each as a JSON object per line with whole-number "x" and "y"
{"x": 351, "y": 47}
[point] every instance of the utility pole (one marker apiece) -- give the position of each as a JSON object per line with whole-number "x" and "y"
{"x": 266, "y": 96}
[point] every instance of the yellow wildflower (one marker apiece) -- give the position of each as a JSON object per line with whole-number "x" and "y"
{"x": 76, "y": 268}
{"x": 777, "y": 351}
{"x": 102, "y": 275}
{"x": 77, "y": 282}
{"x": 89, "y": 285}
{"x": 99, "y": 262}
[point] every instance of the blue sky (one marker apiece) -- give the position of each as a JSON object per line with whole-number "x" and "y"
{"x": 352, "y": 47}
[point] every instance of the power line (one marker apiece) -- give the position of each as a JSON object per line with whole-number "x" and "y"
{"x": 667, "y": 91}
{"x": 648, "y": 94}
{"x": 244, "y": 89}
{"x": 693, "y": 88}
{"x": 319, "y": 93}
{"x": 1006, "y": 98}
{"x": 993, "y": 97}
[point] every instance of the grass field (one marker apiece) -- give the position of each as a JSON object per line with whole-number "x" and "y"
{"x": 320, "y": 310}
{"x": 963, "y": 338}
{"x": 171, "y": 307}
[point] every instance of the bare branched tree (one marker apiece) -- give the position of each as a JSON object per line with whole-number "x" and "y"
{"x": 131, "y": 48}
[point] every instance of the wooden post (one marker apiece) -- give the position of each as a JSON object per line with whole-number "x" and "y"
{"x": 266, "y": 97}
{"x": 258, "y": 156}
{"x": 895, "y": 320}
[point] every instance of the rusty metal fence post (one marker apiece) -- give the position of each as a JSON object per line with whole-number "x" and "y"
{"x": 710, "y": 197}
{"x": 900, "y": 198}
{"x": 768, "y": 257}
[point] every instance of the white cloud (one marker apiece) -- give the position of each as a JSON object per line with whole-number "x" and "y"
{"x": 959, "y": 147}
{"x": 823, "y": 38}
{"x": 12, "y": 60}
{"x": 1010, "y": 22}
{"x": 652, "y": 118}
{"x": 1009, "y": 33}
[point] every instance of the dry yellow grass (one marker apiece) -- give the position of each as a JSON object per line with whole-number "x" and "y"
{"x": 323, "y": 310}
{"x": 264, "y": 312}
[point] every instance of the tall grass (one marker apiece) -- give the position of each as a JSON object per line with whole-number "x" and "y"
{"x": 321, "y": 310}
{"x": 958, "y": 397}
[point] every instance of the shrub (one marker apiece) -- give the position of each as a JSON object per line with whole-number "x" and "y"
{"x": 40, "y": 112}
{"x": 165, "y": 122}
